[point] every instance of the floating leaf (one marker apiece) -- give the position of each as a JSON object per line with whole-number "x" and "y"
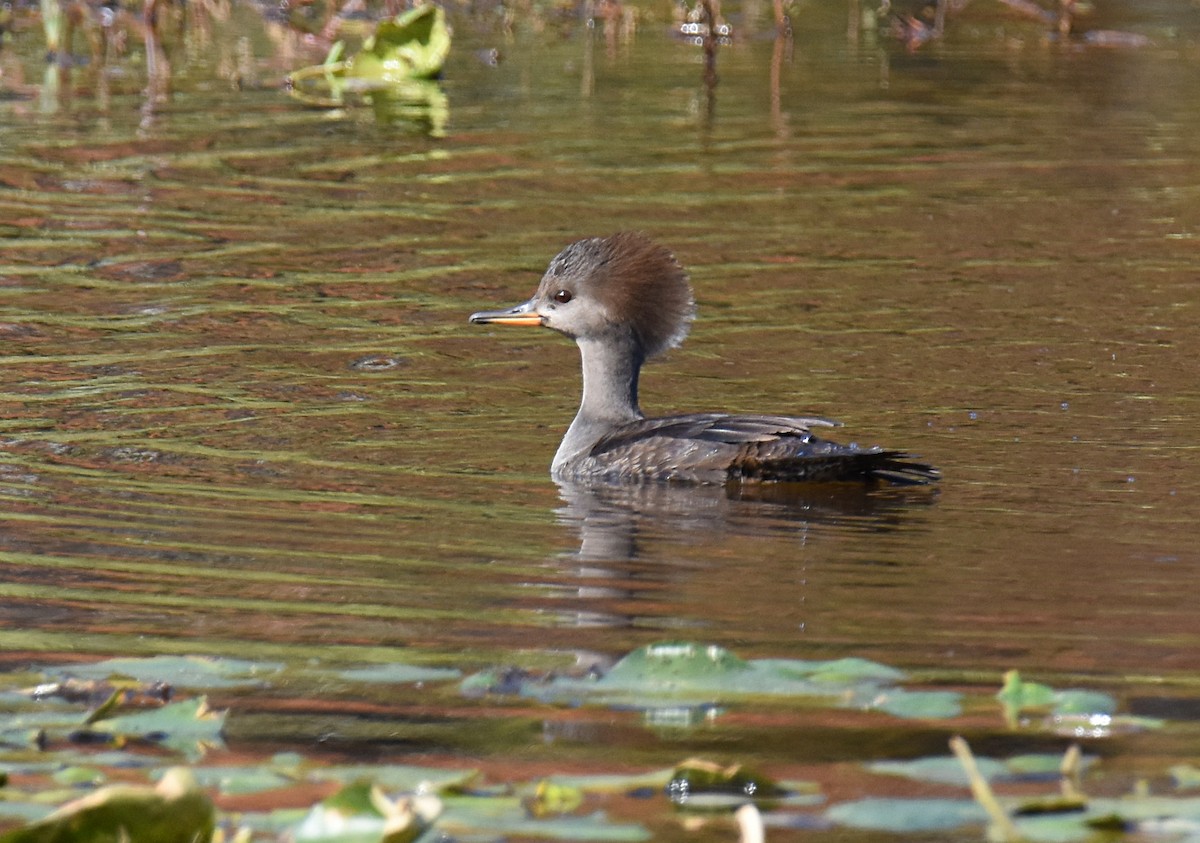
{"x": 681, "y": 679}
{"x": 939, "y": 769}
{"x": 361, "y": 812}
{"x": 1186, "y": 776}
{"x": 898, "y": 702}
{"x": 471, "y": 818}
{"x": 397, "y": 776}
{"x": 413, "y": 45}
{"x": 176, "y": 810}
{"x": 703, "y": 785}
{"x": 1158, "y": 816}
{"x": 398, "y": 674}
{"x": 551, "y": 798}
{"x": 1075, "y": 701}
{"x": 188, "y": 725}
{"x": 1018, "y": 695}
{"x": 848, "y": 671}
{"x": 907, "y": 815}
{"x": 198, "y": 672}
{"x": 76, "y": 776}
{"x": 239, "y": 781}
{"x": 654, "y": 780}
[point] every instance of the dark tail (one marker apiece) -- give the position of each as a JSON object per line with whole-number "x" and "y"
{"x": 899, "y": 469}
{"x": 833, "y": 463}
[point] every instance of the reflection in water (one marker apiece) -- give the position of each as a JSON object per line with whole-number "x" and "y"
{"x": 623, "y": 529}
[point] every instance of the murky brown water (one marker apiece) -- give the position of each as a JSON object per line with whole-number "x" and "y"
{"x": 244, "y": 414}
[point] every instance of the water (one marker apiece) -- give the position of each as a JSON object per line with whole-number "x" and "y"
{"x": 244, "y": 414}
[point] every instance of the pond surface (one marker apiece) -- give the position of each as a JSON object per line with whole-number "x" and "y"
{"x": 244, "y": 415}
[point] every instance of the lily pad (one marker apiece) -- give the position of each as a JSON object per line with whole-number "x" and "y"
{"x": 361, "y": 813}
{"x": 1179, "y": 818}
{"x": 493, "y": 819}
{"x": 398, "y": 674}
{"x": 240, "y": 781}
{"x": 702, "y": 785}
{"x": 189, "y": 725}
{"x": 907, "y": 815}
{"x": 176, "y": 810}
{"x": 1018, "y": 696}
{"x": 898, "y": 702}
{"x": 680, "y": 677}
{"x": 197, "y": 672}
{"x": 939, "y": 769}
{"x": 1186, "y": 776}
{"x": 397, "y": 776}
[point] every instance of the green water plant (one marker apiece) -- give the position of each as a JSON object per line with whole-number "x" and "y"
{"x": 176, "y": 810}
{"x": 673, "y": 676}
{"x": 1073, "y": 712}
{"x": 394, "y": 70}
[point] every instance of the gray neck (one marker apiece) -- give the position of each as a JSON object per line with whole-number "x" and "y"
{"x": 610, "y": 386}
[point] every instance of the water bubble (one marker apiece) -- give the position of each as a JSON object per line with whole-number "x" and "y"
{"x": 376, "y": 363}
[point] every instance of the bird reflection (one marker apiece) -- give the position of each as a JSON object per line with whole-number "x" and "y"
{"x": 640, "y": 545}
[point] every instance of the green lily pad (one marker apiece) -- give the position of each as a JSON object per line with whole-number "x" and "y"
{"x": 678, "y": 677}
{"x": 926, "y": 705}
{"x": 697, "y": 784}
{"x": 550, "y": 798}
{"x": 25, "y": 811}
{"x": 240, "y": 781}
{"x": 1154, "y": 816}
{"x": 1186, "y": 776}
{"x": 189, "y": 725}
{"x": 654, "y": 780}
{"x": 198, "y": 672}
{"x": 399, "y": 777}
{"x": 840, "y": 672}
{"x": 1018, "y": 696}
{"x": 939, "y": 769}
{"x": 396, "y": 674}
{"x": 907, "y": 815}
{"x": 78, "y": 776}
{"x": 504, "y": 818}
{"x": 174, "y": 811}
{"x": 361, "y": 813}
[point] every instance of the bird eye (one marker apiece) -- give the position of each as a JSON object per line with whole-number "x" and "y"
{"x": 562, "y": 296}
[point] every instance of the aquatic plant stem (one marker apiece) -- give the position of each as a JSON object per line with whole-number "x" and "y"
{"x": 750, "y": 824}
{"x": 982, "y": 791}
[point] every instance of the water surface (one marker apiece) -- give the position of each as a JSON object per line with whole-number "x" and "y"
{"x": 244, "y": 413}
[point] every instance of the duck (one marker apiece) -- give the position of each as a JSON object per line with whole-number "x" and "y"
{"x": 625, "y": 300}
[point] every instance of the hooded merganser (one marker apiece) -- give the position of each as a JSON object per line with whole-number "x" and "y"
{"x": 624, "y": 300}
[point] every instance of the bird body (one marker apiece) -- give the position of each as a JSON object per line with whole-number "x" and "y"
{"x": 625, "y": 300}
